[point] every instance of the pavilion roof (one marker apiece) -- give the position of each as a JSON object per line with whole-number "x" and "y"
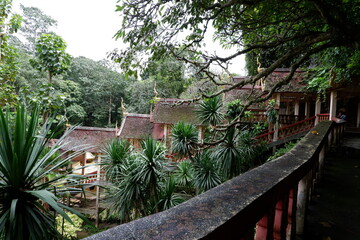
{"x": 89, "y": 136}
{"x": 172, "y": 111}
{"x": 296, "y": 84}
{"x": 138, "y": 126}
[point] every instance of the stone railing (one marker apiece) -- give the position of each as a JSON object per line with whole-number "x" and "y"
{"x": 267, "y": 202}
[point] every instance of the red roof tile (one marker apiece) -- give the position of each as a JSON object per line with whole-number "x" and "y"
{"x": 172, "y": 111}
{"x": 93, "y": 136}
{"x": 138, "y": 126}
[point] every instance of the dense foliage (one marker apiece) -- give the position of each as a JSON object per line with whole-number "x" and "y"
{"x": 50, "y": 55}
{"x": 26, "y": 189}
{"x": 271, "y": 33}
{"x": 85, "y": 91}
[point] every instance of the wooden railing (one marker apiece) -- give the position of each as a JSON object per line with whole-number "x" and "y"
{"x": 323, "y": 117}
{"x": 92, "y": 177}
{"x": 290, "y": 119}
{"x": 283, "y": 118}
{"x": 287, "y": 131}
{"x": 267, "y": 202}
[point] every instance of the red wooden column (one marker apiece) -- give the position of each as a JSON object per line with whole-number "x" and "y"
{"x": 291, "y": 225}
{"x": 279, "y": 222}
{"x": 265, "y": 227}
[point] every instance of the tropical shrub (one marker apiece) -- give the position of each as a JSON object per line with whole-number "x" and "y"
{"x": 206, "y": 172}
{"x": 281, "y": 151}
{"x": 25, "y": 192}
{"x": 228, "y": 155}
{"x": 116, "y": 152}
{"x": 141, "y": 181}
{"x": 184, "y": 174}
{"x": 209, "y": 111}
{"x": 168, "y": 197}
{"x": 184, "y": 138}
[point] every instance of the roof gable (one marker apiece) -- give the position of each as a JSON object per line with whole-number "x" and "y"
{"x": 90, "y": 136}
{"x": 172, "y": 111}
{"x": 137, "y": 126}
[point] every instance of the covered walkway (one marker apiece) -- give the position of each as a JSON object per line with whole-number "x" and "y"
{"x": 334, "y": 211}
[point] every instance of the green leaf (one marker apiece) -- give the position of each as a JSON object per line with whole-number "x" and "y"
{"x": 50, "y": 199}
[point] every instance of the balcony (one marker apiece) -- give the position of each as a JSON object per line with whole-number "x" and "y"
{"x": 268, "y": 202}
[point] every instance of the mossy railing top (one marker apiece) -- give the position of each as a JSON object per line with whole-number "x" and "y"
{"x": 234, "y": 207}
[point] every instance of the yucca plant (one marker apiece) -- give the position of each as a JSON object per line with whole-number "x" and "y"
{"x": 252, "y": 152}
{"x": 168, "y": 198}
{"x": 206, "y": 172}
{"x": 151, "y": 170}
{"x": 228, "y": 155}
{"x": 116, "y": 152}
{"x": 137, "y": 192}
{"x": 24, "y": 190}
{"x": 184, "y": 139}
{"x": 184, "y": 174}
{"x": 128, "y": 196}
{"x": 209, "y": 111}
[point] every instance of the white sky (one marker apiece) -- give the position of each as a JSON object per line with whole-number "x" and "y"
{"x": 88, "y": 26}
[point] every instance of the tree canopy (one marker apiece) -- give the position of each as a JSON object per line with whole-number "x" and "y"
{"x": 51, "y": 56}
{"x": 35, "y": 23}
{"x": 279, "y": 33}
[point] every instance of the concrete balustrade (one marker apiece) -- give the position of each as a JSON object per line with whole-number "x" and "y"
{"x": 268, "y": 202}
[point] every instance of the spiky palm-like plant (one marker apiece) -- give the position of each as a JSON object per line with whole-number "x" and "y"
{"x": 151, "y": 169}
{"x": 209, "y": 111}
{"x": 184, "y": 174}
{"x": 23, "y": 170}
{"x": 184, "y": 139}
{"x": 116, "y": 153}
{"x": 228, "y": 155}
{"x": 128, "y": 195}
{"x": 137, "y": 192}
{"x": 168, "y": 198}
{"x": 206, "y": 172}
{"x": 251, "y": 152}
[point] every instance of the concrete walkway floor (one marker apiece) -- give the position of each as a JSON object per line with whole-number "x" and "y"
{"x": 334, "y": 211}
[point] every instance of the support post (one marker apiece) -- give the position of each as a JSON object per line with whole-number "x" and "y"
{"x": 358, "y": 116}
{"x": 276, "y": 125}
{"x": 307, "y": 108}
{"x": 333, "y": 99}
{"x": 98, "y": 192}
{"x": 297, "y": 109}
{"x": 321, "y": 161}
{"x": 317, "y": 110}
{"x": 201, "y": 134}
{"x": 302, "y": 203}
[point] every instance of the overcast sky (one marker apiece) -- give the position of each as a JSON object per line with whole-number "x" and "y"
{"x": 88, "y": 26}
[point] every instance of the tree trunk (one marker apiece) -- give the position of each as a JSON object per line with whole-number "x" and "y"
{"x": 110, "y": 108}
{"x": 49, "y": 77}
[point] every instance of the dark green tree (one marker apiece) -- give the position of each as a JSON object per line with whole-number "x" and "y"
{"x": 284, "y": 33}
{"x": 51, "y": 56}
{"x": 169, "y": 76}
{"x": 9, "y": 24}
{"x": 101, "y": 91}
{"x": 35, "y": 23}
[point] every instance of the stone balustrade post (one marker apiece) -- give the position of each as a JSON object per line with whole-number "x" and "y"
{"x": 302, "y": 202}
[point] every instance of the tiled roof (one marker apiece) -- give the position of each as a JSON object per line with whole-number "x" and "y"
{"x": 138, "y": 126}
{"x": 296, "y": 84}
{"x": 93, "y": 136}
{"x": 172, "y": 111}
